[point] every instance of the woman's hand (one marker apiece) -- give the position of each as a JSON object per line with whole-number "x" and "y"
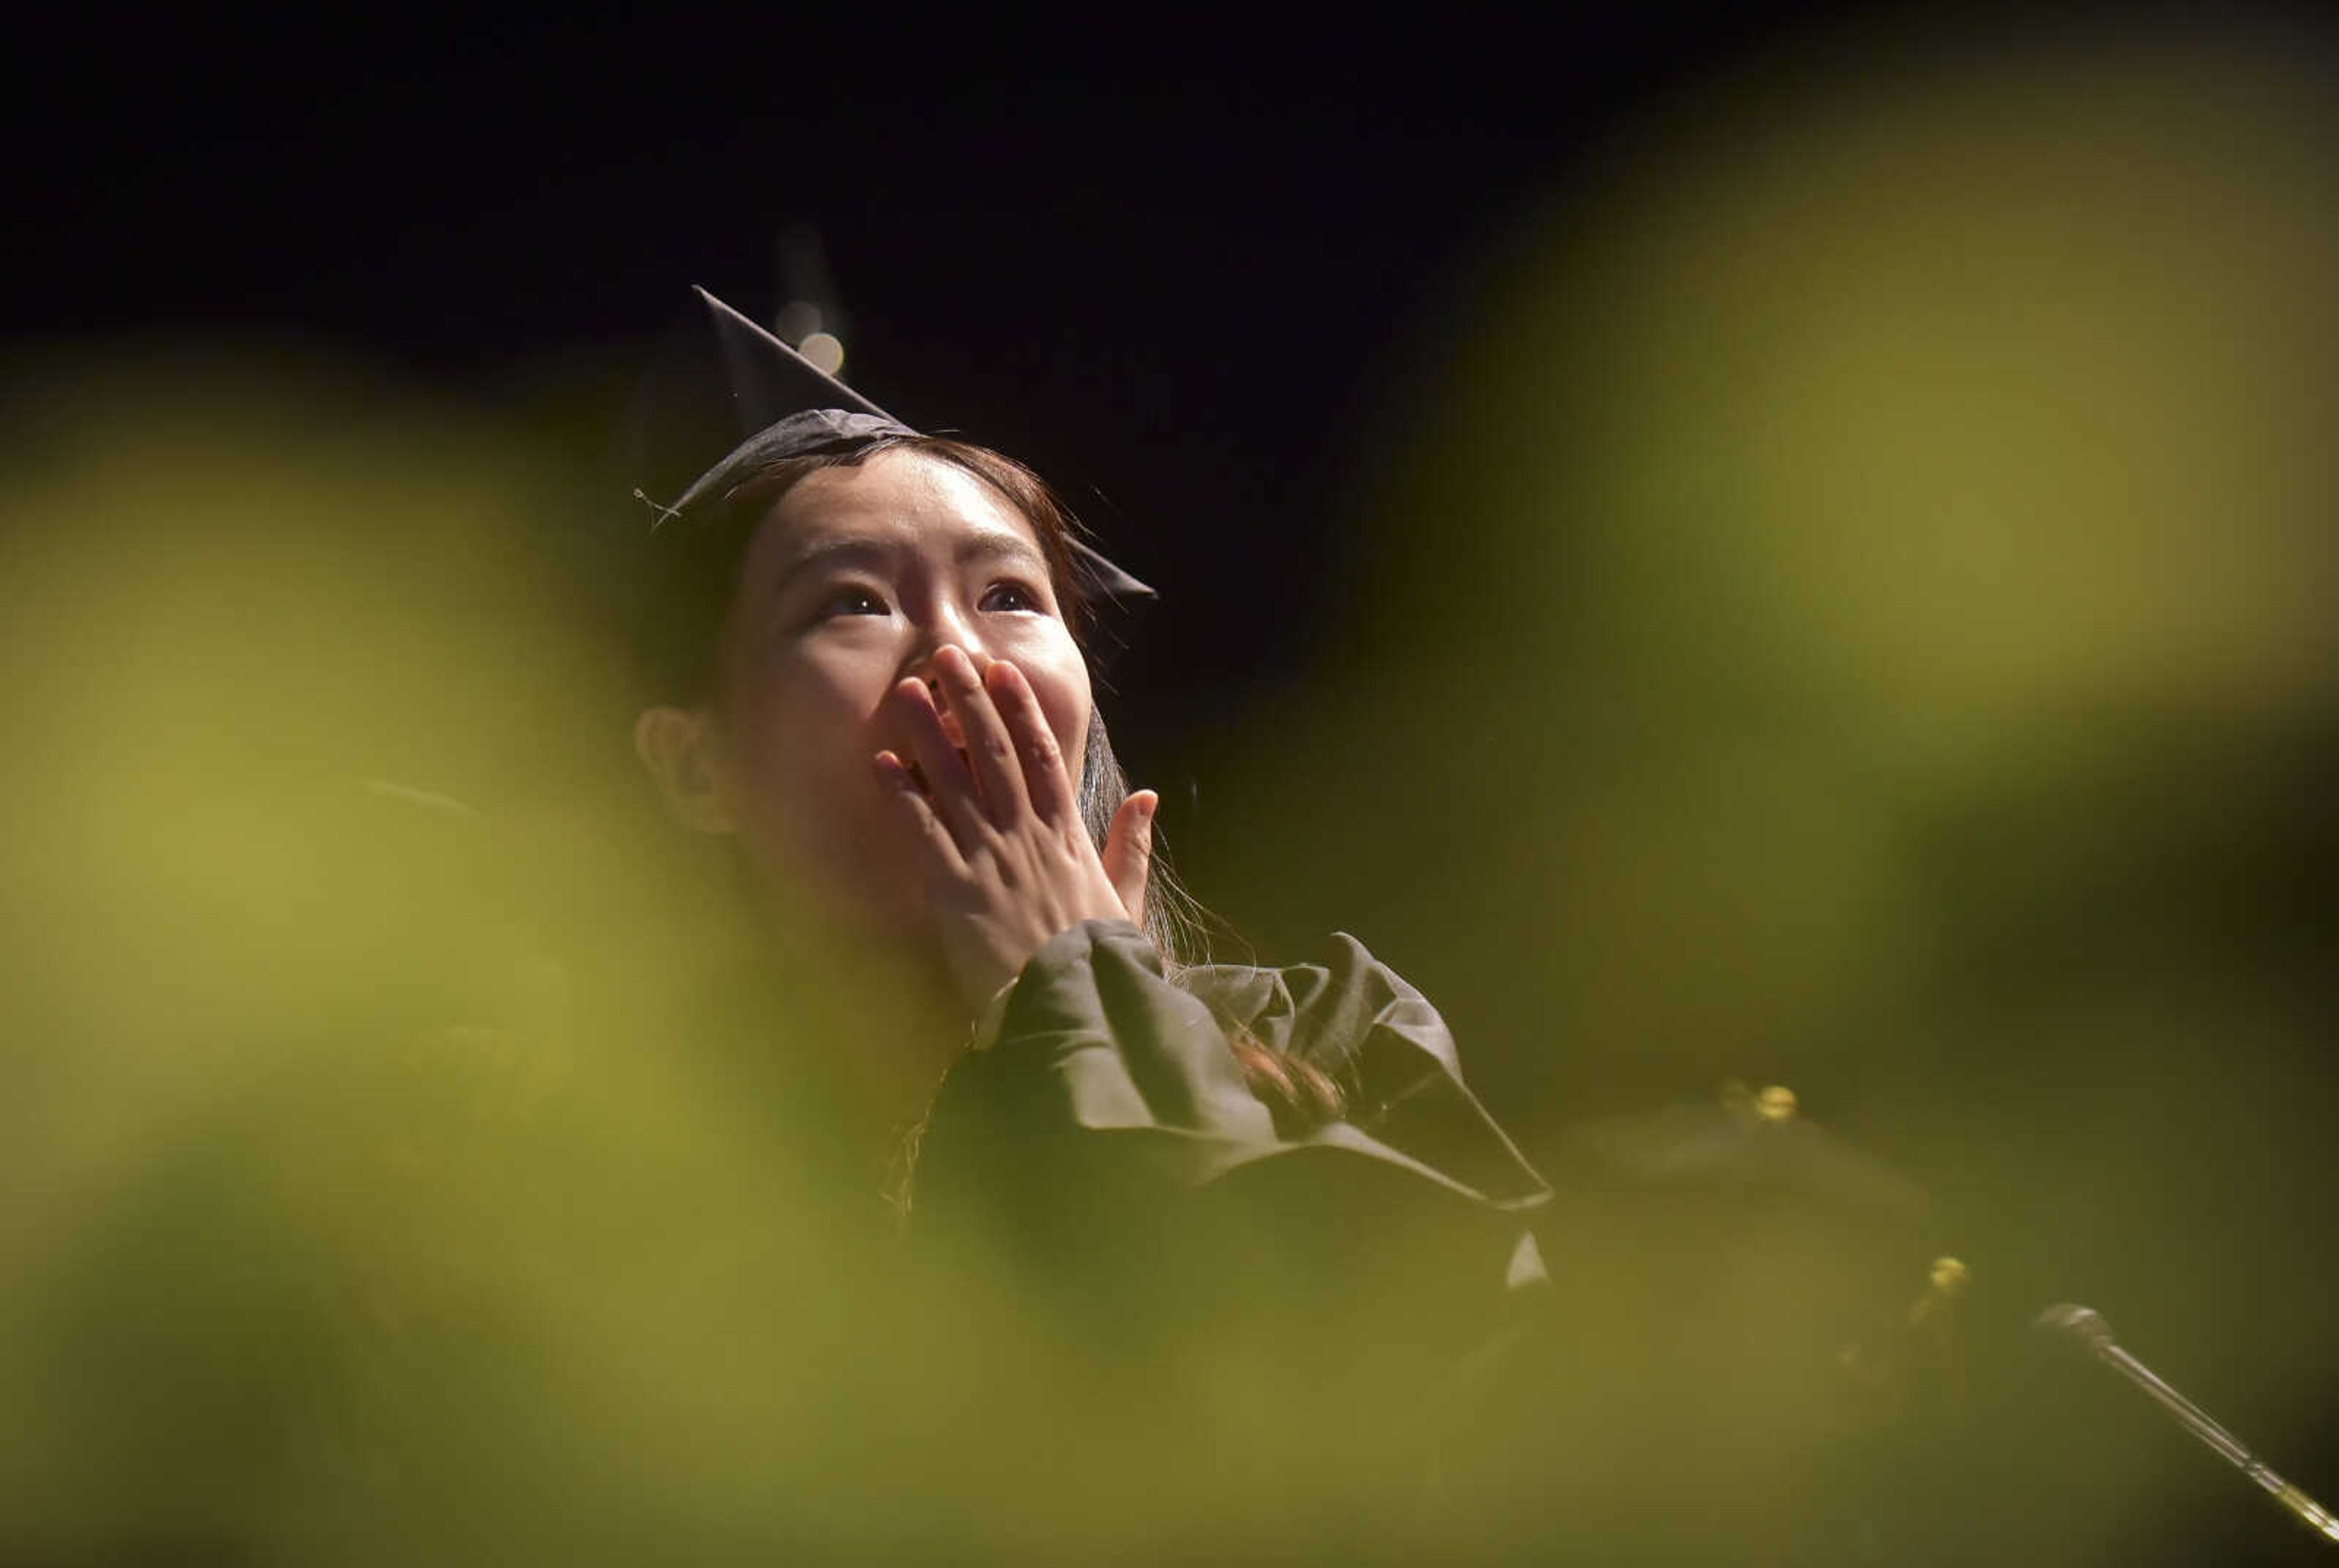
{"x": 1009, "y": 862}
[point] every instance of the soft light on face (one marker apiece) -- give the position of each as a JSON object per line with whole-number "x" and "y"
{"x": 850, "y": 583}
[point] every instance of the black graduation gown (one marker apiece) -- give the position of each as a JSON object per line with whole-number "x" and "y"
{"x": 1223, "y": 1332}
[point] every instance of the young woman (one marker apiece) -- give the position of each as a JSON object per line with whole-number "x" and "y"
{"x": 873, "y": 686}
{"x": 866, "y": 646}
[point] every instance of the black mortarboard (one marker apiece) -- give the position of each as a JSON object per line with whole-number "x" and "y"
{"x": 779, "y": 405}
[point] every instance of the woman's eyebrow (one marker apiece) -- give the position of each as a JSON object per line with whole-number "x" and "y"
{"x": 871, "y": 553}
{"x": 829, "y": 552}
{"x": 989, "y": 546}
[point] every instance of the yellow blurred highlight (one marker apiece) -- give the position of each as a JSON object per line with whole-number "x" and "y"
{"x": 413, "y": 1155}
{"x": 367, "y": 1190}
{"x": 1859, "y": 450}
{"x": 825, "y": 352}
{"x": 1856, "y": 609}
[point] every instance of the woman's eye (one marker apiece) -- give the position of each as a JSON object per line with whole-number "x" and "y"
{"x": 1012, "y": 597}
{"x": 852, "y": 602}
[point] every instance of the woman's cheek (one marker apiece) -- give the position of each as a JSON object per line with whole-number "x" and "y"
{"x": 800, "y": 752}
{"x": 1064, "y": 697}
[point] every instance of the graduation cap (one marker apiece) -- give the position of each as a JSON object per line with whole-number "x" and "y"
{"x": 774, "y": 404}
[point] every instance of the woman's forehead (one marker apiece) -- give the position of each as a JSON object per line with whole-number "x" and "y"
{"x": 901, "y": 499}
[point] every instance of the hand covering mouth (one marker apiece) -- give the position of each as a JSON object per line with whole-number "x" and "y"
{"x": 953, "y": 731}
{"x": 918, "y": 774}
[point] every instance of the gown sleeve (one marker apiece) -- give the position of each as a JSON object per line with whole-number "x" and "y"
{"x": 1225, "y": 1300}
{"x": 1093, "y": 1047}
{"x": 1106, "y": 1144}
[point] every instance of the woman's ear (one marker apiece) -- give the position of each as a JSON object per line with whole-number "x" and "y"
{"x": 683, "y": 753}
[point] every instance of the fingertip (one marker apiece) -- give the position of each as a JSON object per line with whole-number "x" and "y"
{"x": 959, "y": 666}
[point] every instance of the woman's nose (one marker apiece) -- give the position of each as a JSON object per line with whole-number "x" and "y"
{"x": 941, "y": 625}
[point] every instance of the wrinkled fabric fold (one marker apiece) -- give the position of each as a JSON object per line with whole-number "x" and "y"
{"x": 1106, "y": 1131}
{"x": 1094, "y": 1037}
